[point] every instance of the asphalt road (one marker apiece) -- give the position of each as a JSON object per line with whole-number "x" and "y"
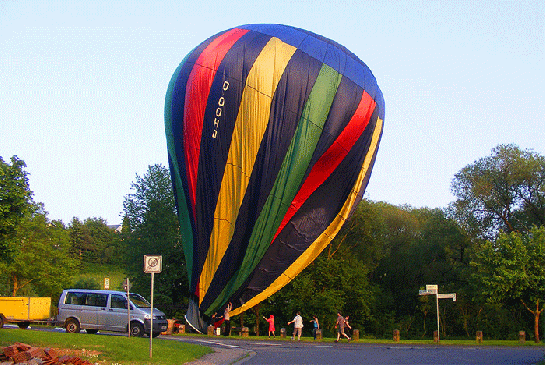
{"x": 303, "y": 353}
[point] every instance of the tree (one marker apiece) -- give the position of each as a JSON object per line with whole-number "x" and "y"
{"x": 504, "y": 191}
{"x": 151, "y": 227}
{"x": 15, "y": 199}
{"x": 512, "y": 268}
{"x": 94, "y": 241}
{"x": 39, "y": 262}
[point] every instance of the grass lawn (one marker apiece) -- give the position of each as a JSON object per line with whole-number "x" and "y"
{"x": 108, "y": 349}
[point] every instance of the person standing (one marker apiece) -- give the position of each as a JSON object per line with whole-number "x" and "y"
{"x": 271, "y": 325}
{"x": 316, "y": 326}
{"x": 227, "y": 319}
{"x": 297, "y": 327}
{"x": 339, "y": 325}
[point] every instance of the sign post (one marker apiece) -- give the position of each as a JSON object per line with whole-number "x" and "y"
{"x": 152, "y": 264}
{"x": 127, "y": 287}
{"x": 434, "y": 290}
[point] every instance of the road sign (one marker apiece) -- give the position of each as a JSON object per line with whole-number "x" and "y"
{"x": 153, "y": 264}
{"x": 127, "y": 284}
{"x": 447, "y": 296}
{"x": 432, "y": 288}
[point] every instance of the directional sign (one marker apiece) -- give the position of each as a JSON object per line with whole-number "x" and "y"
{"x": 447, "y": 296}
{"x": 153, "y": 264}
{"x": 432, "y": 288}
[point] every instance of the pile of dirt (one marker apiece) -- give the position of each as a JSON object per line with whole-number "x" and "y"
{"x": 21, "y": 353}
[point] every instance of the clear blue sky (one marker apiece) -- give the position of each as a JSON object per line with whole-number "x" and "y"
{"x": 82, "y": 86}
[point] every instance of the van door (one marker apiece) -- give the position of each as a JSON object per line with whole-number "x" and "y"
{"x": 94, "y": 306}
{"x": 115, "y": 316}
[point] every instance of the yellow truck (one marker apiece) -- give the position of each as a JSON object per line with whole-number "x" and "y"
{"x": 24, "y": 310}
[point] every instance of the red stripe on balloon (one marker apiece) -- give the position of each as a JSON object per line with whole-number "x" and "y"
{"x": 198, "y": 88}
{"x": 334, "y": 155}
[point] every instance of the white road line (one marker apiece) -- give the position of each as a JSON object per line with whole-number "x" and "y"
{"x": 217, "y": 343}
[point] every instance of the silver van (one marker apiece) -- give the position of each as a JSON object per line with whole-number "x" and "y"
{"x": 106, "y": 310}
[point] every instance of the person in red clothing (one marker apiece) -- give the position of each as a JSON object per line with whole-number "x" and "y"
{"x": 271, "y": 325}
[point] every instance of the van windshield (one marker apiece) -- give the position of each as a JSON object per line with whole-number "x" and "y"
{"x": 139, "y": 301}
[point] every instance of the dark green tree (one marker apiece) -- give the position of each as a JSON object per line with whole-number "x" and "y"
{"x": 151, "y": 228}
{"x": 15, "y": 200}
{"x": 95, "y": 242}
{"x": 39, "y": 262}
{"x": 504, "y": 191}
{"x": 512, "y": 268}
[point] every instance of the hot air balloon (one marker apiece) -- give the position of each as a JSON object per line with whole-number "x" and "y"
{"x": 272, "y": 132}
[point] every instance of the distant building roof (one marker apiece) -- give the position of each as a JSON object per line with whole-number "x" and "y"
{"x": 116, "y": 227}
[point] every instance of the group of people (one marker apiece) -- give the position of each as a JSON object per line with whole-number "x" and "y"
{"x": 340, "y": 324}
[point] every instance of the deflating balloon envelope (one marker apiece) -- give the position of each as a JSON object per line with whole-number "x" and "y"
{"x": 272, "y": 133}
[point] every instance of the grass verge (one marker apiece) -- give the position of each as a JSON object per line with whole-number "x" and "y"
{"x": 108, "y": 349}
{"x": 448, "y": 342}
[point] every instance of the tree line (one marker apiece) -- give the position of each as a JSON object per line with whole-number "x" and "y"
{"x": 488, "y": 247}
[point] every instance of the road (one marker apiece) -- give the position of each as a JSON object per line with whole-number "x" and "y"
{"x": 302, "y": 353}
{"x": 239, "y": 351}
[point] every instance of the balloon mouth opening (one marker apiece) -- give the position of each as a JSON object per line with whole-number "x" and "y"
{"x": 193, "y": 317}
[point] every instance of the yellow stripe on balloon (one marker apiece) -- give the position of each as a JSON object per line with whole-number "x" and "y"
{"x": 323, "y": 240}
{"x": 250, "y": 125}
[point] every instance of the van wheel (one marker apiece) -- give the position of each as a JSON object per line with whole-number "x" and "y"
{"x": 90, "y": 331}
{"x": 23, "y": 325}
{"x": 137, "y": 330}
{"x": 1, "y": 321}
{"x": 72, "y": 326}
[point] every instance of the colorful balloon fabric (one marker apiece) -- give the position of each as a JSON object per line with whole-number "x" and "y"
{"x": 272, "y": 132}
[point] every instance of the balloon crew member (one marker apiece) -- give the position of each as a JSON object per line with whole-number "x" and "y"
{"x": 297, "y": 327}
{"x": 227, "y": 319}
{"x": 346, "y": 324}
{"x": 316, "y": 326}
{"x": 270, "y": 320}
{"x": 339, "y": 325}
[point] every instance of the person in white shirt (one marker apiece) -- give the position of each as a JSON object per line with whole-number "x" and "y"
{"x": 298, "y": 326}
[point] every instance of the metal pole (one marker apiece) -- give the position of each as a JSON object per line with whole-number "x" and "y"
{"x": 151, "y": 319}
{"x": 437, "y": 304}
{"x": 128, "y": 307}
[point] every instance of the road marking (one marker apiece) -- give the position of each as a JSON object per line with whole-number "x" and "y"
{"x": 267, "y": 344}
{"x": 217, "y": 343}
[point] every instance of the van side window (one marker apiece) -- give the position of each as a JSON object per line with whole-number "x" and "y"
{"x": 97, "y": 300}
{"x": 75, "y": 298}
{"x": 118, "y": 301}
